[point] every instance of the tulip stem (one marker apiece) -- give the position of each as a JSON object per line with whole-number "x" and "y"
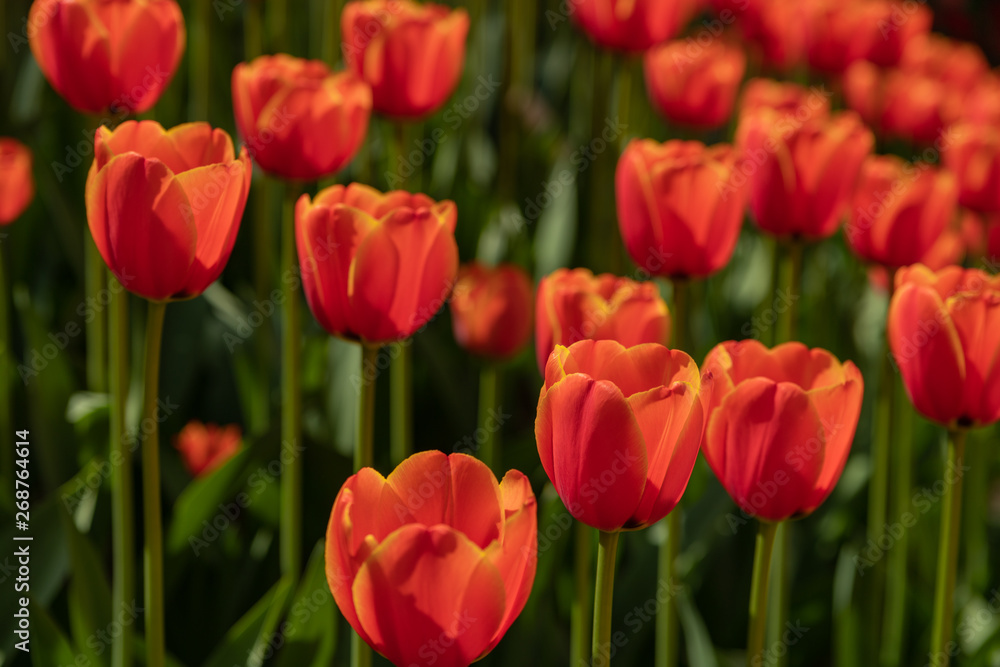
{"x": 253, "y": 40}
{"x": 489, "y": 393}
{"x": 951, "y": 521}
{"x": 291, "y": 398}
{"x": 97, "y": 336}
{"x": 263, "y": 246}
{"x": 579, "y": 650}
{"x": 895, "y": 594}
{"x": 790, "y": 275}
{"x": 758, "y": 591}
{"x": 364, "y": 453}
{"x": 6, "y": 349}
{"x": 151, "y": 512}
{"x": 122, "y": 496}
{"x": 607, "y": 550}
{"x": 401, "y": 399}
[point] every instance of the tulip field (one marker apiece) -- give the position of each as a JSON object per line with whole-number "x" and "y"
{"x": 661, "y": 333}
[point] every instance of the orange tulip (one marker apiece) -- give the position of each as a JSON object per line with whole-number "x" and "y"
{"x": 974, "y": 156}
{"x": 779, "y": 425}
{"x": 17, "y": 186}
{"x": 839, "y": 33}
{"x": 164, "y": 206}
{"x": 491, "y": 309}
{"x": 375, "y": 267}
{"x": 899, "y": 210}
{"x": 300, "y": 120}
{"x": 954, "y": 63}
{"x": 694, "y": 85}
{"x": 204, "y": 448}
{"x": 899, "y": 103}
{"x": 411, "y": 54}
{"x": 787, "y": 99}
{"x": 775, "y": 27}
{"x": 574, "y": 305}
{"x": 618, "y": 430}
{"x": 982, "y": 106}
{"x": 802, "y": 174}
{"x": 678, "y": 211}
{"x": 631, "y": 25}
{"x": 432, "y": 564}
{"x": 107, "y": 56}
{"x": 944, "y": 332}
{"x": 896, "y": 23}
{"x": 993, "y": 241}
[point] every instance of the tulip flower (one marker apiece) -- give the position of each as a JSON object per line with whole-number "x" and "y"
{"x": 410, "y": 54}
{"x": 899, "y": 210}
{"x": 618, "y": 430}
{"x": 107, "y": 56}
{"x": 300, "y": 120}
{"x": 898, "y": 23}
{"x": 491, "y": 309}
{"x": 694, "y": 86}
{"x": 899, "y": 103}
{"x": 840, "y": 33}
{"x": 17, "y": 186}
{"x": 375, "y": 267}
{"x": 974, "y": 157}
{"x": 574, "y": 305}
{"x": 944, "y": 330}
{"x": 679, "y": 211}
{"x": 204, "y": 448}
{"x": 982, "y": 105}
{"x": 803, "y": 172}
{"x": 954, "y": 63}
{"x": 436, "y": 555}
{"x": 779, "y": 424}
{"x": 631, "y": 25}
{"x": 775, "y": 27}
{"x": 787, "y": 99}
{"x": 164, "y": 206}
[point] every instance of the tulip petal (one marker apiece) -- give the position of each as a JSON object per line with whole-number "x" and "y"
{"x": 977, "y": 318}
{"x": 141, "y": 222}
{"x": 592, "y": 449}
{"x": 429, "y": 591}
{"x": 457, "y": 490}
{"x": 838, "y": 407}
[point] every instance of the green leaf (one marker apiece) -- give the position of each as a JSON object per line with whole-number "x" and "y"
{"x": 49, "y": 646}
{"x": 311, "y": 628}
{"x": 204, "y": 499}
{"x": 699, "y": 645}
{"x": 557, "y": 221}
{"x": 89, "y": 598}
{"x": 247, "y": 642}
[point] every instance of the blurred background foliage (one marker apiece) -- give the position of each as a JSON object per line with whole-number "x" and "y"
{"x": 521, "y": 117}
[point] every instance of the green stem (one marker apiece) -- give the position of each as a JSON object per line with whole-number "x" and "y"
{"x": 790, "y": 274}
{"x": 122, "y": 495}
{"x": 151, "y": 512}
{"x": 579, "y": 650}
{"x": 604, "y": 595}
{"x": 6, "y": 350}
{"x": 401, "y": 403}
{"x": 97, "y": 338}
{"x": 489, "y": 394}
{"x": 895, "y": 594}
{"x": 277, "y": 19}
{"x": 780, "y": 593}
{"x": 263, "y": 245}
{"x": 951, "y": 520}
{"x": 253, "y": 39}
{"x": 758, "y": 591}
{"x": 291, "y": 397}
{"x": 624, "y": 96}
{"x": 364, "y": 453}
{"x": 361, "y": 653}
{"x": 976, "y": 515}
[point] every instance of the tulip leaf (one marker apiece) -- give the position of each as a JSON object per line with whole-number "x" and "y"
{"x": 89, "y": 598}
{"x": 344, "y": 365}
{"x": 556, "y": 212}
{"x": 248, "y": 641}
{"x": 311, "y": 627}
{"x": 49, "y": 646}
{"x": 203, "y": 499}
{"x": 699, "y": 645}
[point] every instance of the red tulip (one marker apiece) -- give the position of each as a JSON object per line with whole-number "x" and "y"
{"x": 897, "y": 23}
{"x": 899, "y": 210}
{"x": 974, "y": 156}
{"x": 164, "y": 206}
{"x": 954, "y": 63}
{"x": 107, "y": 56}
{"x": 790, "y": 100}
{"x": 17, "y": 186}
{"x": 618, "y": 430}
{"x": 300, "y": 120}
{"x": 775, "y": 26}
{"x": 631, "y": 25}
{"x": 375, "y": 267}
{"x": 899, "y": 103}
{"x": 575, "y": 305}
{"x": 694, "y": 85}
{"x": 491, "y": 309}
{"x": 944, "y": 332}
{"x": 678, "y": 210}
{"x": 411, "y": 54}
{"x": 433, "y": 563}
{"x": 803, "y": 174}
{"x": 982, "y": 106}
{"x": 779, "y": 425}
{"x": 839, "y": 33}
{"x": 205, "y": 448}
